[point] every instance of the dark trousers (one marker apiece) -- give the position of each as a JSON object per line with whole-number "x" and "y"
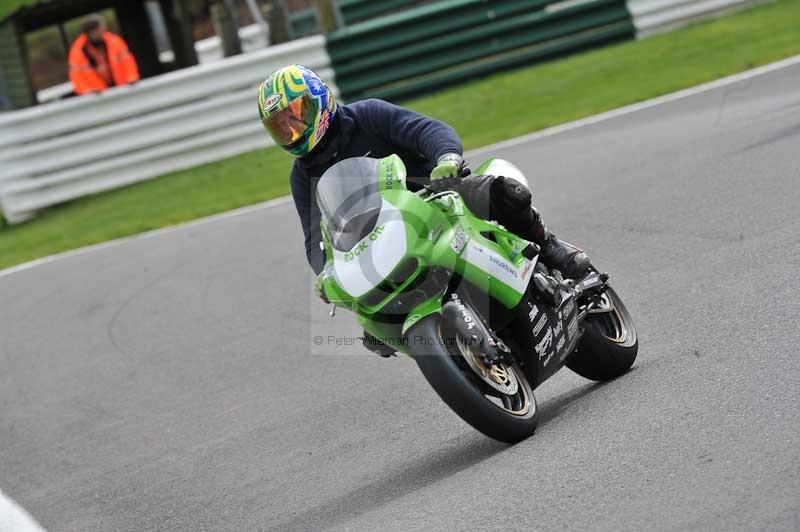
{"x": 498, "y": 198}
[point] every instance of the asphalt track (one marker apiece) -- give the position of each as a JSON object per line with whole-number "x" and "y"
{"x": 172, "y": 383}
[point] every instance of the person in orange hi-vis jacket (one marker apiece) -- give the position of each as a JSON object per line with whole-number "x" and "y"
{"x": 99, "y": 59}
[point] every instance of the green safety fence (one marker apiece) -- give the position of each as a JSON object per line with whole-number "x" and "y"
{"x": 303, "y": 23}
{"x": 359, "y": 10}
{"x": 449, "y": 41}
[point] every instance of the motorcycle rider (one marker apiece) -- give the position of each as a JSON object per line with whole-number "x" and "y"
{"x": 300, "y": 113}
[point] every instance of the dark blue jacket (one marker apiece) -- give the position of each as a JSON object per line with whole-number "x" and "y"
{"x": 371, "y": 128}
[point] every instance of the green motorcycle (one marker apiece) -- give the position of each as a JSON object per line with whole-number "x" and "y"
{"x": 485, "y": 322}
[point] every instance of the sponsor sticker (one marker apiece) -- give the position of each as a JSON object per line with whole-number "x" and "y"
{"x": 389, "y": 173}
{"x": 533, "y": 313}
{"x": 543, "y": 347}
{"x": 460, "y": 239}
{"x": 362, "y": 246}
{"x": 560, "y": 344}
{"x": 503, "y": 265}
{"x": 545, "y": 343}
{"x": 539, "y": 325}
{"x": 466, "y": 315}
{"x": 558, "y": 328}
{"x": 272, "y": 102}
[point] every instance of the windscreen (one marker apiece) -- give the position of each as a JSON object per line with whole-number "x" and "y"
{"x": 349, "y": 200}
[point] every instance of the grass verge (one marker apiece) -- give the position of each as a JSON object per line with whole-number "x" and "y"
{"x": 483, "y": 111}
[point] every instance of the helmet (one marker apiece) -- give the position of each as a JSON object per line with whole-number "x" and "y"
{"x": 296, "y": 107}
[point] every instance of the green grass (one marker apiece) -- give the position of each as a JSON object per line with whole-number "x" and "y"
{"x": 482, "y": 111}
{"x": 518, "y": 102}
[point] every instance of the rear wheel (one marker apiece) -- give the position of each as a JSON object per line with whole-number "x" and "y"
{"x": 609, "y": 344}
{"x": 496, "y": 400}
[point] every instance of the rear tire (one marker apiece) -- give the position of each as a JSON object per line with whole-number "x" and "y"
{"x": 464, "y": 392}
{"x": 609, "y": 344}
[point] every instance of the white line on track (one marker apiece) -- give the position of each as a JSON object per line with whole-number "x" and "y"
{"x": 555, "y": 130}
{"x": 148, "y": 234}
{"x": 14, "y": 518}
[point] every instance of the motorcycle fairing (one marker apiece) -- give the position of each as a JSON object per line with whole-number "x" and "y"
{"x": 548, "y": 333}
{"x": 373, "y": 258}
{"x": 441, "y": 234}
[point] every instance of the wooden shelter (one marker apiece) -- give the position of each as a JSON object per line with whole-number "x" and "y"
{"x": 16, "y": 87}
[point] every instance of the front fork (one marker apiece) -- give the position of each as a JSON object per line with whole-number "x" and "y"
{"x": 592, "y": 289}
{"x": 472, "y": 330}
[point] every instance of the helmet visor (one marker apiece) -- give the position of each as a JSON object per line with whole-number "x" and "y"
{"x": 289, "y": 125}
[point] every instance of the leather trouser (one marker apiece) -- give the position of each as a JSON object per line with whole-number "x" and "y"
{"x": 499, "y": 198}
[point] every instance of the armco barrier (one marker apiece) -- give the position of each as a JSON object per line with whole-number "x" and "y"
{"x": 452, "y": 40}
{"x": 54, "y": 153}
{"x": 657, "y": 16}
{"x": 359, "y": 10}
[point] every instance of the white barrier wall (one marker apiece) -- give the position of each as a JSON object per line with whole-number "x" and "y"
{"x": 657, "y": 16}
{"x": 64, "y": 150}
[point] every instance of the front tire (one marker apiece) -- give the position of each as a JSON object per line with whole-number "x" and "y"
{"x": 609, "y": 344}
{"x": 508, "y": 419}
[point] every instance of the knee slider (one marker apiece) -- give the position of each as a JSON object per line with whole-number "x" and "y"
{"x": 512, "y": 193}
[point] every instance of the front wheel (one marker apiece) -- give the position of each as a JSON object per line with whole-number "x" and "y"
{"x": 496, "y": 400}
{"x": 609, "y": 344}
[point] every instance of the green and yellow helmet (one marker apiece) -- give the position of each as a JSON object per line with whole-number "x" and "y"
{"x": 296, "y": 107}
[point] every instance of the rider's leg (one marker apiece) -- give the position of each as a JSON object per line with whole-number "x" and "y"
{"x": 509, "y": 202}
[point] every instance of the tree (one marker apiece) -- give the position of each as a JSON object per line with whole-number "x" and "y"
{"x": 330, "y": 17}
{"x": 227, "y": 27}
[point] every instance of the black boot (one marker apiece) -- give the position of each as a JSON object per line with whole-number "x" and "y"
{"x": 568, "y": 259}
{"x": 571, "y": 261}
